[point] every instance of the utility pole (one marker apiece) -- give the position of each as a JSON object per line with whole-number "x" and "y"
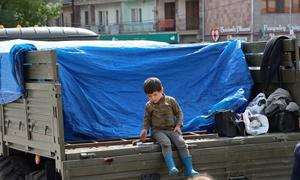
{"x": 290, "y": 15}
{"x": 252, "y": 20}
{"x": 203, "y": 20}
{"x": 73, "y": 14}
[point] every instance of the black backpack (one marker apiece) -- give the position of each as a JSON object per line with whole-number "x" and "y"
{"x": 227, "y": 124}
{"x": 283, "y": 121}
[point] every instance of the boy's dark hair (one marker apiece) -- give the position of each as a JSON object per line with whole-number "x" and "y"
{"x": 151, "y": 85}
{"x": 204, "y": 176}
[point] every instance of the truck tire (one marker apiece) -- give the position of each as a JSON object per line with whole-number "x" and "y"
{"x": 46, "y": 172}
{"x": 37, "y": 175}
{"x": 13, "y": 168}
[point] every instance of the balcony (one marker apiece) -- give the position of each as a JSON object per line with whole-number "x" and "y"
{"x": 166, "y": 25}
{"x": 126, "y": 28}
{"x": 138, "y": 27}
{"x": 103, "y": 29}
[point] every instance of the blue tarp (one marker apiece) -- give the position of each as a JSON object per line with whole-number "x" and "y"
{"x": 11, "y": 76}
{"x": 102, "y": 86}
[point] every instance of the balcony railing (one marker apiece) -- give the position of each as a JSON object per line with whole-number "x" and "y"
{"x": 122, "y": 28}
{"x": 166, "y": 24}
{"x": 138, "y": 27}
{"x": 103, "y": 29}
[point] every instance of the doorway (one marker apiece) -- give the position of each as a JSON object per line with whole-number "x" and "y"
{"x": 170, "y": 15}
{"x": 192, "y": 14}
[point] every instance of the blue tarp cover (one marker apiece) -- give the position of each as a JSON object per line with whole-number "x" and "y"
{"x": 11, "y": 76}
{"x": 102, "y": 86}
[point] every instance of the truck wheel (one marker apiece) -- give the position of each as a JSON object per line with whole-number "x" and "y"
{"x": 13, "y": 167}
{"x": 40, "y": 175}
{"x": 47, "y": 173}
{"x": 37, "y": 175}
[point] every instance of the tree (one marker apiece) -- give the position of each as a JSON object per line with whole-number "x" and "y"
{"x": 28, "y": 12}
{"x": 6, "y": 13}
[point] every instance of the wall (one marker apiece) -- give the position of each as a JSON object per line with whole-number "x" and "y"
{"x": 111, "y": 27}
{"x": 160, "y": 8}
{"x": 82, "y": 15}
{"x": 111, "y": 8}
{"x": 228, "y": 14}
{"x": 279, "y": 21}
{"x": 67, "y": 19}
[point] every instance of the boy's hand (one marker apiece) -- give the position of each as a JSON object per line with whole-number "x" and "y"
{"x": 178, "y": 129}
{"x": 143, "y": 135}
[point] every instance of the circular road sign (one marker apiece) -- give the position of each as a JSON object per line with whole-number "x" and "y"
{"x": 215, "y": 34}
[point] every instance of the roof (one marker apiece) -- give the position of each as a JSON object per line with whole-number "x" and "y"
{"x": 47, "y": 33}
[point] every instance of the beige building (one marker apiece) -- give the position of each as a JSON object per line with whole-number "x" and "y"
{"x": 194, "y": 20}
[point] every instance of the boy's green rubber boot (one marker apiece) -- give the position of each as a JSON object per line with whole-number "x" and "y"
{"x": 171, "y": 165}
{"x": 188, "y": 167}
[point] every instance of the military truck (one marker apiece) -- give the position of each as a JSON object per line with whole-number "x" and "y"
{"x": 33, "y": 125}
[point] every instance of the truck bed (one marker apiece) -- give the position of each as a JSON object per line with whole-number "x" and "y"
{"x": 268, "y": 156}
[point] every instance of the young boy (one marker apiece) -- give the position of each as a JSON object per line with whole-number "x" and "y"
{"x": 164, "y": 116}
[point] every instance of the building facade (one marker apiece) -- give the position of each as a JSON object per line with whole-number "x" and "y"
{"x": 193, "y": 20}
{"x": 276, "y": 17}
{"x": 250, "y": 20}
{"x": 111, "y": 17}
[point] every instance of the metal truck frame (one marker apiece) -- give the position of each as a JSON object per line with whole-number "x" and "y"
{"x": 34, "y": 125}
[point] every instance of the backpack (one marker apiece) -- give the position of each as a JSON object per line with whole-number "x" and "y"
{"x": 227, "y": 124}
{"x": 283, "y": 121}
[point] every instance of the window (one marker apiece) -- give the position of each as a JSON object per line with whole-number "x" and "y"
{"x": 140, "y": 13}
{"x": 86, "y": 15}
{"x": 133, "y": 15}
{"x": 271, "y": 6}
{"x": 117, "y": 17}
{"x": 279, "y": 6}
{"x": 101, "y": 18}
{"x": 92, "y": 14}
{"x": 296, "y": 6}
{"x": 136, "y": 15}
{"x": 276, "y": 6}
{"x": 106, "y": 18}
{"x": 72, "y": 20}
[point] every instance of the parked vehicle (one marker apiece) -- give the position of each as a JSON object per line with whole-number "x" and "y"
{"x": 47, "y": 34}
{"x": 268, "y": 156}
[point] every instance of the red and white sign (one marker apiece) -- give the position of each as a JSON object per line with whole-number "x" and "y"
{"x": 215, "y": 34}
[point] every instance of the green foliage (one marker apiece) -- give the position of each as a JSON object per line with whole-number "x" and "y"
{"x": 28, "y": 12}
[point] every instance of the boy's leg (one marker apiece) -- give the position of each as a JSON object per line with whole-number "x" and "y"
{"x": 179, "y": 142}
{"x": 165, "y": 145}
{"x": 164, "y": 142}
{"x": 296, "y": 166}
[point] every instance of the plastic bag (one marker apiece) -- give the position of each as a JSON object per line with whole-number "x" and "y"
{"x": 258, "y": 104}
{"x": 255, "y": 123}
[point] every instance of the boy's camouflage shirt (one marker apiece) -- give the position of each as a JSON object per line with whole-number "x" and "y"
{"x": 164, "y": 115}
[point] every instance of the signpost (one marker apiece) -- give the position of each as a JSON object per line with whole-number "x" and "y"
{"x": 215, "y": 34}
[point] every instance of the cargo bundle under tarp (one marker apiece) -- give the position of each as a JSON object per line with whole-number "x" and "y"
{"x": 102, "y": 82}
